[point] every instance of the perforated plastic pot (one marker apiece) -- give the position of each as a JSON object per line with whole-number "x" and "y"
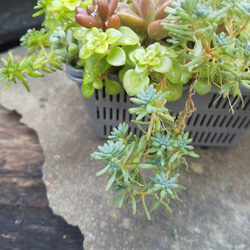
{"x": 212, "y": 124}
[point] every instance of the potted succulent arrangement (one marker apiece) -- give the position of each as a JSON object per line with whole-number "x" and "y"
{"x": 159, "y": 53}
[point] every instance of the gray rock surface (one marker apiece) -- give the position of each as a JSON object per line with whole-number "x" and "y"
{"x": 215, "y": 208}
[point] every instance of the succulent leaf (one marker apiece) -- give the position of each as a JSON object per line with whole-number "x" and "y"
{"x": 130, "y": 19}
{"x": 147, "y": 10}
{"x": 156, "y": 31}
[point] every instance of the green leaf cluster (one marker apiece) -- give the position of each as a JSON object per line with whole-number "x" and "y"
{"x": 209, "y": 37}
{"x": 160, "y": 151}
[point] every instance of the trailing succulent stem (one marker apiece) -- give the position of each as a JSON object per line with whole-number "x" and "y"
{"x": 160, "y": 150}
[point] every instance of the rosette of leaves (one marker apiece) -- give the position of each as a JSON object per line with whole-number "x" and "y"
{"x": 145, "y": 17}
{"x": 144, "y": 62}
{"x": 100, "y": 51}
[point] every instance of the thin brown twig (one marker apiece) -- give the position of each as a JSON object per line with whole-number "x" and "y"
{"x": 188, "y": 111}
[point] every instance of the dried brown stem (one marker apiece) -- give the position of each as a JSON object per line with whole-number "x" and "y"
{"x": 188, "y": 111}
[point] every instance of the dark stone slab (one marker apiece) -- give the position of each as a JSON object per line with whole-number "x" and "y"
{"x": 15, "y": 19}
{"x": 26, "y": 221}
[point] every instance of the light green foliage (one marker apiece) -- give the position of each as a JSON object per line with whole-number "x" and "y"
{"x": 208, "y": 44}
{"x": 145, "y": 61}
{"x": 160, "y": 150}
{"x": 217, "y": 30}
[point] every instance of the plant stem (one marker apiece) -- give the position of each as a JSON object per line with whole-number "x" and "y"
{"x": 240, "y": 30}
{"x": 189, "y": 109}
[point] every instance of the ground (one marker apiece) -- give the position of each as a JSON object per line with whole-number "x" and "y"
{"x": 215, "y": 209}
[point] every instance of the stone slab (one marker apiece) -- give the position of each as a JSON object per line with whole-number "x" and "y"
{"x": 215, "y": 208}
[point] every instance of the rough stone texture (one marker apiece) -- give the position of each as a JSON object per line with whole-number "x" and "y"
{"x": 26, "y": 221}
{"x": 215, "y": 209}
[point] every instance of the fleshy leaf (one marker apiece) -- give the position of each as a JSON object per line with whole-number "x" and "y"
{"x": 116, "y": 57}
{"x": 112, "y": 87}
{"x": 97, "y": 83}
{"x": 87, "y": 90}
{"x": 71, "y": 5}
{"x": 113, "y": 35}
{"x": 133, "y": 82}
{"x": 129, "y": 37}
{"x": 84, "y": 52}
{"x": 164, "y": 66}
{"x": 103, "y": 48}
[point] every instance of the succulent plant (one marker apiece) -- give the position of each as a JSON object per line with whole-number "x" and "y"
{"x": 143, "y": 16}
{"x": 99, "y": 14}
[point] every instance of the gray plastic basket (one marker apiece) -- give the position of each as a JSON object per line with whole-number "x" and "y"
{"x": 212, "y": 124}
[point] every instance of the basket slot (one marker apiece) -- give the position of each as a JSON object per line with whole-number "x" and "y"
{"x": 210, "y": 121}
{"x": 96, "y": 94}
{"x": 103, "y": 94}
{"x": 97, "y": 112}
{"x": 117, "y": 115}
{"x": 105, "y": 130}
{"x": 224, "y": 140}
{"x": 195, "y": 136}
{"x": 229, "y": 121}
{"x": 110, "y": 129}
{"x": 196, "y": 120}
{"x": 220, "y": 103}
{"x": 213, "y": 138}
{"x": 125, "y": 97}
{"x": 243, "y": 122}
{"x": 247, "y": 125}
{"x": 130, "y": 117}
{"x": 118, "y": 97}
{"x": 236, "y": 121}
{"x": 223, "y": 120}
{"x": 124, "y": 111}
{"x": 104, "y": 113}
{"x": 228, "y": 138}
{"x": 207, "y": 137}
{"x": 120, "y": 115}
{"x": 217, "y": 118}
{"x": 232, "y": 100}
{"x": 111, "y": 98}
{"x": 203, "y": 120}
{"x": 212, "y": 101}
{"x": 201, "y": 137}
{"x": 135, "y": 131}
{"x": 189, "y": 120}
{"x": 111, "y": 113}
{"x": 231, "y": 138}
{"x": 220, "y": 137}
{"x": 241, "y": 103}
{"x": 247, "y": 104}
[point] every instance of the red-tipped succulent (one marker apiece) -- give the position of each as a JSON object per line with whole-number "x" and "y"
{"x": 143, "y": 16}
{"x": 99, "y": 14}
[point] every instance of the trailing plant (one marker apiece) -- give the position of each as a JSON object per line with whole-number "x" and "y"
{"x": 161, "y": 149}
{"x": 156, "y": 47}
